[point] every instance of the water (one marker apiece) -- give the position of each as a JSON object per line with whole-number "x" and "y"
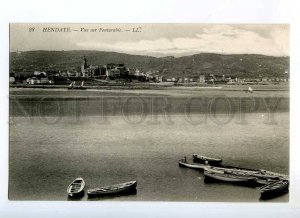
{"x": 46, "y": 156}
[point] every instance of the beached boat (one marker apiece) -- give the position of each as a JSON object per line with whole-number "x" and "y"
{"x": 211, "y": 176}
{"x": 203, "y": 159}
{"x": 184, "y": 163}
{"x": 113, "y": 189}
{"x": 76, "y": 187}
{"x": 274, "y": 188}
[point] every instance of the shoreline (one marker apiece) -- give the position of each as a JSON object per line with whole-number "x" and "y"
{"x": 162, "y": 86}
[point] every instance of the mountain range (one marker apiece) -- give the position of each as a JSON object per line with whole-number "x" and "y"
{"x": 242, "y": 65}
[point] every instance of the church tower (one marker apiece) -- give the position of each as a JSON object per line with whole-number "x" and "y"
{"x": 83, "y": 67}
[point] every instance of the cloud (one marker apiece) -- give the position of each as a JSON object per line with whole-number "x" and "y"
{"x": 160, "y": 39}
{"x": 217, "y": 39}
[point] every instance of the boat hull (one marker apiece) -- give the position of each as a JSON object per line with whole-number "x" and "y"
{"x": 260, "y": 175}
{"x": 117, "y": 189}
{"x": 274, "y": 189}
{"x": 191, "y": 165}
{"x": 218, "y": 177}
{"x": 209, "y": 160}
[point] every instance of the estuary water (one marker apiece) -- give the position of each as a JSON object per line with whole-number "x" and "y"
{"x": 49, "y": 151}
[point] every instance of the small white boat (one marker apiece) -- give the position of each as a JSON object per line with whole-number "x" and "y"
{"x": 74, "y": 86}
{"x": 76, "y": 187}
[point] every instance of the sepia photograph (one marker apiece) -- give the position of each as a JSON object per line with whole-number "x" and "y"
{"x": 181, "y": 112}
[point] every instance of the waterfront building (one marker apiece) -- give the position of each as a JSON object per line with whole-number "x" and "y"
{"x": 202, "y": 78}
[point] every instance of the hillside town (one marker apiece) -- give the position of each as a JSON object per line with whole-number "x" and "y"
{"x": 114, "y": 72}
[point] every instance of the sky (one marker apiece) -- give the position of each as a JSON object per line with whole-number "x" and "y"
{"x": 156, "y": 39}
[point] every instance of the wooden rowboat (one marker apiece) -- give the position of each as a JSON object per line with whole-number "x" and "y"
{"x": 76, "y": 187}
{"x": 113, "y": 189}
{"x": 264, "y": 175}
{"x": 229, "y": 178}
{"x": 274, "y": 188}
{"x": 203, "y": 159}
{"x": 183, "y": 163}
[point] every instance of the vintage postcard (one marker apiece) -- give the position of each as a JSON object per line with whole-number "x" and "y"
{"x": 149, "y": 112}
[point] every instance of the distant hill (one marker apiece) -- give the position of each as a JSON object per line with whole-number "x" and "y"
{"x": 242, "y": 65}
